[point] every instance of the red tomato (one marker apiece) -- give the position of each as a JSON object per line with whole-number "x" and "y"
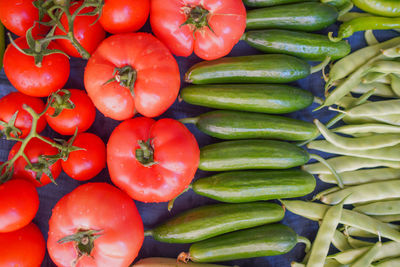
{"x": 31, "y": 80}
{"x": 124, "y": 16}
{"x": 20, "y": 202}
{"x": 144, "y": 63}
{"x": 33, "y": 150}
{"x": 88, "y": 35}
{"x": 226, "y": 20}
{"x": 20, "y": 15}
{"x": 97, "y": 207}
{"x": 85, "y": 164}
{"x": 13, "y": 102}
{"x": 23, "y": 248}
{"x": 81, "y": 117}
{"x": 172, "y": 149}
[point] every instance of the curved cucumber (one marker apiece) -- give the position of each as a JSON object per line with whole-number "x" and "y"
{"x": 273, "y": 68}
{"x": 225, "y": 124}
{"x": 266, "y": 98}
{"x": 170, "y": 262}
{"x": 265, "y": 3}
{"x": 266, "y": 240}
{"x": 209, "y": 221}
{"x": 302, "y": 17}
{"x": 247, "y": 186}
{"x": 251, "y": 154}
{"x": 309, "y": 46}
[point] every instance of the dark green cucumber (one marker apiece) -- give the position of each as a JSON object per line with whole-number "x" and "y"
{"x": 266, "y": 240}
{"x": 251, "y": 154}
{"x": 273, "y": 68}
{"x": 213, "y": 220}
{"x": 265, "y": 3}
{"x": 302, "y": 17}
{"x": 266, "y": 98}
{"x": 247, "y": 186}
{"x": 309, "y": 46}
{"x": 226, "y": 124}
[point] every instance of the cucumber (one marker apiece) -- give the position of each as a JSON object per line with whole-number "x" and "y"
{"x": 170, "y": 262}
{"x": 302, "y": 17}
{"x": 212, "y": 220}
{"x": 247, "y": 186}
{"x": 266, "y": 240}
{"x": 225, "y": 124}
{"x": 251, "y": 154}
{"x": 265, "y": 3}
{"x": 266, "y": 98}
{"x": 309, "y": 46}
{"x": 273, "y": 68}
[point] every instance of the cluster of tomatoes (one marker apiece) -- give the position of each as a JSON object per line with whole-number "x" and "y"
{"x": 126, "y": 73}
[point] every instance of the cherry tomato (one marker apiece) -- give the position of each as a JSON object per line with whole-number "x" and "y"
{"x": 81, "y": 117}
{"x": 152, "y": 161}
{"x": 85, "y": 164}
{"x": 124, "y": 16}
{"x": 23, "y": 248}
{"x": 88, "y": 35}
{"x": 31, "y": 80}
{"x": 20, "y": 202}
{"x": 33, "y": 150}
{"x": 107, "y": 221}
{"x": 137, "y": 62}
{"x": 210, "y": 28}
{"x": 13, "y": 102}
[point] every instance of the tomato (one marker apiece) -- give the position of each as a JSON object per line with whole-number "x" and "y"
{"x": 124, "y": 16}
{"x": 33, "y": 150}
{"x": 85, "y": 164}
{"x": 81, "y": 117}
{"x": 31, "y": 80}
{"x": 20, "y": 202}
{"x": 142, "y": 64}
{"x": 19, "y": 15}
{"x": 88, "y": 35}
{"x": 13, "y": 102}
{"x": 23, "y": 248}
{"x": 171, "y": 157}
{"x": 106, "y": 220}
{"x": 210, "y": 28}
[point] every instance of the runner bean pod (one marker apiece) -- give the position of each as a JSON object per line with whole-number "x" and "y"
{"x": 381, "y": 89}
{"x": 363, "y": 176}
{"x": 388, "y": 218}
{"x": 389, "y": 207}
{"x": 368, "y": 257}
{"x": 395, "y": 83}
{"x": 368, "y": 128}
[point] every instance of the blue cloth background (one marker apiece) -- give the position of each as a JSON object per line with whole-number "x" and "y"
{"x": 153, "y": 214}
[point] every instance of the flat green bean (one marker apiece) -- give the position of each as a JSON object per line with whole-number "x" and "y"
{"x": 389, "y": 207}
{"x": 391, "y": 52}
{"x": 370, "y": 37}
{"x": 388, "y": 263}
{"x": 356, "y": 243}
{"x": 381, "y": 89}
{"x": 325, "y": 192}
{"x": 386, "y": 67}
{"x": 346, "y": 102}
{"x": 368, "y": 257}
{"x": 340, "y": 241}
{"x": 376, "y": 128}
{"x": 372, "y": 77}
{"x": 362, "y": 176}
{"x": 353, "y": 231}
{"x": 393, "y": 119}
{"x": 395, "y": 83}
{"x": 380, "y": 108}
{"x": 388, "y": 218}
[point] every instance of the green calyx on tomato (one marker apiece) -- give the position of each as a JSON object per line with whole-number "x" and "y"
{"x": 197, "y": 17}
{"x": 84, "y": 241}
{"x": 61, "y": 102}
{"x": 145, "y": 154}
{"x": 125, "y": 76}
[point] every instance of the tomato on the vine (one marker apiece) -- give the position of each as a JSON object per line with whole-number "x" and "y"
{"x": 124, "y": 16}
{"x": 210, "y": 28}
{"x": 81, "y": 116}
{"x": 132, "y": 72}
{"x": 95, "y": 225}
{"x": 153, "y": 161}
{"x": 14, "y": 102}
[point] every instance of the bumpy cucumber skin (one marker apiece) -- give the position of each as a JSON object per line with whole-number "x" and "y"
{"x": 272, "y": 68}
{"x": 265, "y": 3}
{"x": 251, "y": 154}
{"x": 266, "y": 98}
{"x": 255, "y": 185}
{"x": 213, "y": 220}
{"x": 266, "y": 240}
{"x": 302, "y": 17}
{"x": 309, "y": 46}
{"x": 232, "y": 125}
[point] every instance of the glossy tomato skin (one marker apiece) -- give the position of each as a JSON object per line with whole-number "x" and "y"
{"x": 23, "y": 248}
{"x": 85, "y": 164}
{"x": 13, "y": 102}
{"x": 96, "y": 206}
{"x": 31, "y": 80}
{"x": 227, "y": 19}
{"x": 176, "y": 154}
{"x": 124, "y": 16}
{"x": 20, "y": 202}
{"x": 88, "y": 35}
{"x": 33, "y": 150}
{"x": 81, "y": 117}
{"x": 157, "y": 84}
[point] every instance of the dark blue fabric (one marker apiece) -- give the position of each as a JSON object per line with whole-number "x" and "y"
{"x": 153, "y": 214}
